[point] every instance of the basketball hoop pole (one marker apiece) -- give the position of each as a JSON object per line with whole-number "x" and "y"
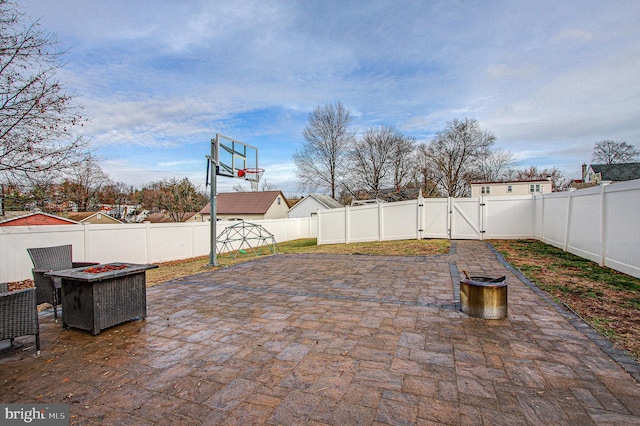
{"x": 212, "y": 206}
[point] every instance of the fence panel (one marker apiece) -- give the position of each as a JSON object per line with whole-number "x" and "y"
{"x": 332, "y": 225}
{"x": 508, "y": 217}
{"x": 621, "y": 227}
{"x": 584, "y": 219}
{"x": 400, "y": 220}
{"x": 364, "y": 223}
{"x": 435, "y": 218}
{"x": 465, "y": 219}
{"x": 15, "y": 263}
{"x": 554, "y": 218}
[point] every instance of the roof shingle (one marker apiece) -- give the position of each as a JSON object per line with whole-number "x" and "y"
{"x": 244, "y": 202}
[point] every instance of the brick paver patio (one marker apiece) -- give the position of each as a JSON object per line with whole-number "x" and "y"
{"x": 329, "y": 339}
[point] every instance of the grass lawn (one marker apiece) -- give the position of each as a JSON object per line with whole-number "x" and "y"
{"x": 608, "y": 300}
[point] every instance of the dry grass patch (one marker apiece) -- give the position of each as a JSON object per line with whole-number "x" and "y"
{"x": 179, "y": 268}
{"x": 608, "y": 300}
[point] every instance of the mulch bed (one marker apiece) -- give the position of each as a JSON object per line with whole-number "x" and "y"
{"x": 20, "y": 285}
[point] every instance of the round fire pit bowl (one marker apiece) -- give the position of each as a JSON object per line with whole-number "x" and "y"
{"x": 484, "y": 297}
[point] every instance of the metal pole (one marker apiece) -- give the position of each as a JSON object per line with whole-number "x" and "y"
{"x": 212, "y": 206}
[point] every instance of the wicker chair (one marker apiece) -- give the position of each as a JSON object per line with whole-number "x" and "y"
{"x": 47, "y": 259}
{"x": 18, "y": 314}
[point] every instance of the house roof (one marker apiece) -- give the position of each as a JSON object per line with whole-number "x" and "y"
{"x": 244, "y": 202}
{"x": 37, "y": 218}
{"x": 618, "y": 172}
{"x": 325, "y": 201}
{"x": 165, "y": 218}
{"x": 87, "y": 216}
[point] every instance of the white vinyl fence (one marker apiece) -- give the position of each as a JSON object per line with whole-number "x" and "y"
{"x": 134, "y": 243}
{"x": 455, "y": 218}
{"x": 601, "y": 224}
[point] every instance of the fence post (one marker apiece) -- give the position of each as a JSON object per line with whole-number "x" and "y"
{"x": 482, "y": 204}
{"x": 449, "y": 217}
{"x": 380, "y": 224}
{"x": 85, "y": 232}
{"x": 347, "y": 224}
{"x": 568, "y": 221}
{"x": 603, "y": 223}
{"x": 420, "y": 206}
{"x": 147, "y": 245}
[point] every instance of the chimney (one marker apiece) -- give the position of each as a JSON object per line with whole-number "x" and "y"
{"x": 584, "y": 172}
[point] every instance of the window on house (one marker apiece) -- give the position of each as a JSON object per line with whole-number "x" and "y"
{"x": 485, "y": 189}
{"x": 509, "y": 188}
{"x": 534, "y": 188}
{"x": 279, "y": 201}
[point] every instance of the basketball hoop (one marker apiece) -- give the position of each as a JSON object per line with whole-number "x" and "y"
{"x": 253, "y": 175}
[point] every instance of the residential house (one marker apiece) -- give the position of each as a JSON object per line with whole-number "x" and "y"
{"x": 597, "y": 174}
{"x": 247, "y": 206}
{"x": 310, "y": 205}
{"x": 99, "y": 218}
{"x": 513, "y": 187}
{"x": 163, "y": 217}
{"x": 36, "y": 219}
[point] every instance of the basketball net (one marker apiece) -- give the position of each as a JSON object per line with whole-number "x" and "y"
{"x": 253, "y": 175}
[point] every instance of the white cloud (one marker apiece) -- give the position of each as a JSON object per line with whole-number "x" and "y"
{"x": 159, "y": 79}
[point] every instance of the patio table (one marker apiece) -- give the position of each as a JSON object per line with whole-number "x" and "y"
{"x": 103, "y": 295}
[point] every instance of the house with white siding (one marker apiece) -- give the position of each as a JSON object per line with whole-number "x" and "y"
{"x": 310, "y": 205}
{"x": 513, "y": 187}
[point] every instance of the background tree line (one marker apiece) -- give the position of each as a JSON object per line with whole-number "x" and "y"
{"x": 383, "y": 161}
{"x": 88, "y": 188}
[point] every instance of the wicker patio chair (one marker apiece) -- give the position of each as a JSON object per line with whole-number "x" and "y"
{"x": 19, "y": 314}
{"x": 47, "y": 259}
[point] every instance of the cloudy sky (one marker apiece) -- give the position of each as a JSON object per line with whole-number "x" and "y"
{"x": 159, "y": 79}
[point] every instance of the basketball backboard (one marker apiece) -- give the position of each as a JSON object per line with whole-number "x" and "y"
{"x": 231, "y": 156}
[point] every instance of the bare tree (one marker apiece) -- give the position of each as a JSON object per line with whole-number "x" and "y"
{"x": 83, "y": 184}
{"x": 493, "y": 165}
{"x": 371, "y": 159}
{"x": 328, "y": 139}
{"x": 558, "y": 181}
{"x": 454, "y": 153}
{"x": 117, "y": 194}
{"x": 611, "y": 152}
{"x": 423, "y": 173}
{"x": 36, "y": 113}
{"x": 403, "y": 160}
{"x": 381, "y": 157}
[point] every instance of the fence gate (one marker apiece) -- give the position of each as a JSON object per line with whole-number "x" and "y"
{"x": 466, "y": 218}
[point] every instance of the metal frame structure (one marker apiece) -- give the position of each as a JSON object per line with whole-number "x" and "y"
{"x": 244, "y": 232}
